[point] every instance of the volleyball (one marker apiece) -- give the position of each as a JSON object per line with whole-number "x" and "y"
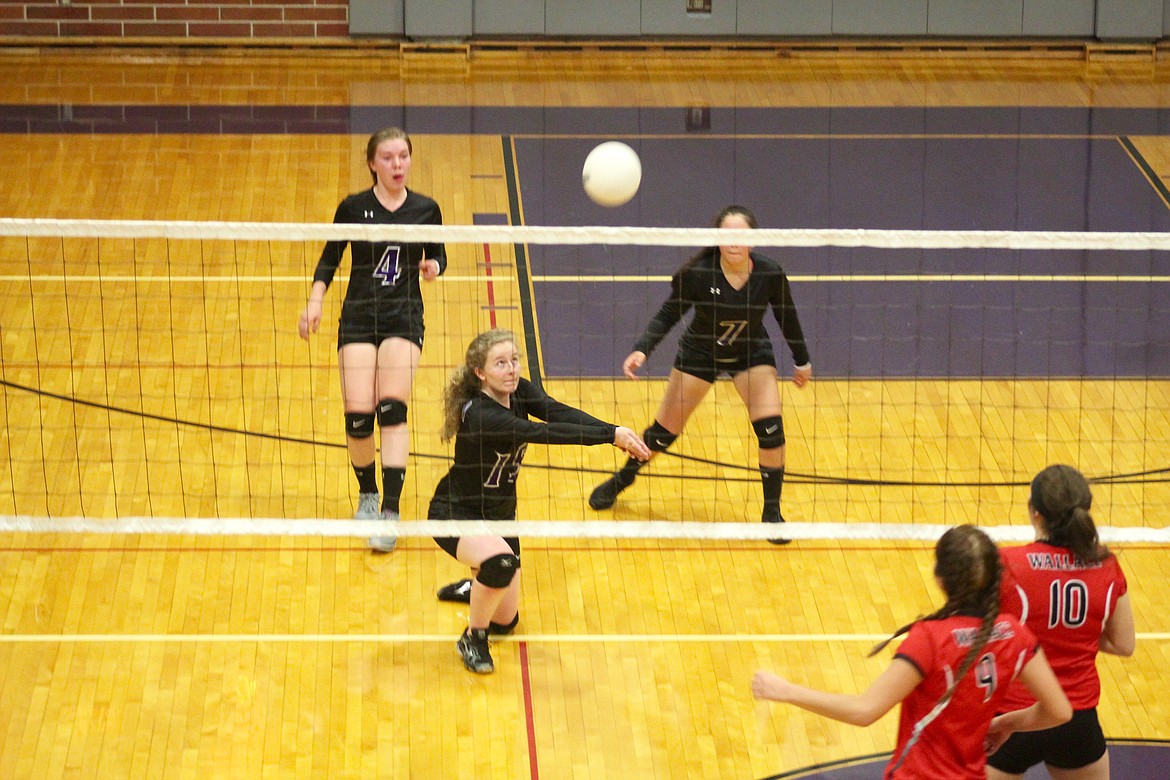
{"x": 611, "y": 174}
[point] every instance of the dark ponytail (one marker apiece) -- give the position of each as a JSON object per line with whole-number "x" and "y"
{"x": 1061, "y": 495}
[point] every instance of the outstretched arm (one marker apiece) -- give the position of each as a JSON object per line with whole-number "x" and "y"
{"x": 858, "y": 709}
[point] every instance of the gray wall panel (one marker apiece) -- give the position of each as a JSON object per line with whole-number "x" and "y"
{"x": 792, "y": 17}
{"x": 438, "y": 18}
{"x": 965, "y": 17}
{"x": 879, "y": 17}
{"x": 670, "y": 17}
{"x": 593, "y": 17}
{"x": 375, "y": 17}
{"x": 508, "y": 17}
{"x": 1132, "y": 19}
{"x": 1060, "y": 17}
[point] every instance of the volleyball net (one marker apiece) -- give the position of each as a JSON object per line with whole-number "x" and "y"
{"x": 153, "y": 380}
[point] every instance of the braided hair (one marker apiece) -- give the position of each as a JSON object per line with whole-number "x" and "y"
{"x": 1061, "y": 495}
{"x": 967, "y": 564}
{"x": 464, "y": 384}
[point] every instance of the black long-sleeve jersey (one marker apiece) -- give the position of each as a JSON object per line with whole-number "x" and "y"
{"x": 491, "y": 443}
{"x": 727, "y": 322}
{"x": 384, "y": 275}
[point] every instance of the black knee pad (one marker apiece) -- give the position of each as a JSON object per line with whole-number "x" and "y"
{"x": 391, "y": 412}
{"x": 657, "y": 438}
{"x": 359, "y": 425}
{"x": 498, "y": 570}
{"x": 770, "y": 432}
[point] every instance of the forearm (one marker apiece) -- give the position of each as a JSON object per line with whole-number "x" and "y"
{"x": 847, "y": 708}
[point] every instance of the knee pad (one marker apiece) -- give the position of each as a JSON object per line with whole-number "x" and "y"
{"x": 657, "y": 438}
{"x": 498, "y": 570}
{"x": 359, "y": 425}
{"x": 770, "y": 432}
{"x": 391, "y": 412}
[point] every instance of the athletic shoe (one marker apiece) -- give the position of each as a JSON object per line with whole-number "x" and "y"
{"x": 774, "y": 516}
{"x": 385, "y": 544}
{"x": 503, "y": 629}
{"x": 367, "y": 508}
{"x": 458, "y": 591}
{"x": 605, "y": 495}
{"x": 473, "y": 648}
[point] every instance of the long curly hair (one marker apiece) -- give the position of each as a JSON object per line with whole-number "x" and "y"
{"x": 463, "y": 384}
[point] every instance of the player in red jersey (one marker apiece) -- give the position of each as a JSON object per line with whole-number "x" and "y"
{"x": 1070, "y": 591}
{"x": 950, "y": 674}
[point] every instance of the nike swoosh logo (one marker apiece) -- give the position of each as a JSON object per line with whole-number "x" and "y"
{"x": 356, "y": 424}
{"x": 771, "y": 430}
{"x": 661, "y": 443}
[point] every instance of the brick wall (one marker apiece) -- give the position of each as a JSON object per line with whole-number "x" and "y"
{"x": 175, "y": 19}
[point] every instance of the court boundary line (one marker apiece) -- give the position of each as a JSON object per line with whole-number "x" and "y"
{"x": 416, "y": 639}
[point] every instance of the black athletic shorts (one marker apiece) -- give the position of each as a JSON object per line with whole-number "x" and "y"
{"x": 706, "y": 365}
{"x": 367, "y": 328}
{"x": 441, "y": 509}
{"x": 1071, "y": 745}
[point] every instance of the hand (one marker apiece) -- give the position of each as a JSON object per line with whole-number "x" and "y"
{"x": 996, "y": 735}
{"x": 766, "y": 685}
{"x": 625, "y": 439}
{"x": 802, "y": 376}
{"x": 428, "y": 269}
{"x": 632, "y": 363}
{"x": 310, "y": 319}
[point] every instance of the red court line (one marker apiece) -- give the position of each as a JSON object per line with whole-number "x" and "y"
{"x": 530, "y": 722}
{"x": 491, "y": 292}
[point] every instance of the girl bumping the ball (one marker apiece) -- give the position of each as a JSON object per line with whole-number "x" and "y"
{"x": 951, "y": 674}
{"x": 486, "y": 406}
{"x": 730, "y": 288}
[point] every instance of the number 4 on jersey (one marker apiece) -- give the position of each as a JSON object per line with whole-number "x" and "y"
{"x": 389, "y": 267}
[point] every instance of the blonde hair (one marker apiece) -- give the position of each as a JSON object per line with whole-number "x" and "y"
{"x": 464, "y": 384}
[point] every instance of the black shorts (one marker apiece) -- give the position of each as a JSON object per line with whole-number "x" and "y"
{"x": 368, "y": 328}
{"x": 1071, "y": 745}
{"x": 707, "y": 365}
{"x": 441, "y": 509}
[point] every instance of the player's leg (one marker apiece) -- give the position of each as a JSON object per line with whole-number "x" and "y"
{"x": 684, "y": 393}
{"x": 495, "y": 590}
{"x": 758, "y": 388}
{"x": 1098, "y": 770}
{"x": 357, "y": 364}
{"x": 397, "y": 364}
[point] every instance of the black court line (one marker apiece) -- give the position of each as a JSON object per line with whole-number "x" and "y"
{"x": 523, "y": 272}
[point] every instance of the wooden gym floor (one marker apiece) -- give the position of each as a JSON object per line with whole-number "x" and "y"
{"x": 132, "y": 370}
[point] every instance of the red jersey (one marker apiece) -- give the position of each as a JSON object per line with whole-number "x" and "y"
{"x": 1066, "y": 605}
{"x": 951, "y": 743}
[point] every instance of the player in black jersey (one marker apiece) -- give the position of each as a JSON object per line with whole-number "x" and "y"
{"x": 486, "y": 407}
{"x": 380, "y": 334}
{"x": 731, "y": 288}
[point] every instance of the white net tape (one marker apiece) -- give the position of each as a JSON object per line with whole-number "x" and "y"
{"x": 534, "y": 234}
{"x": 556, "y": 529}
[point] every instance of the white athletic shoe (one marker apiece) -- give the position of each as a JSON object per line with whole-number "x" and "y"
{"x": 385, "y": 544}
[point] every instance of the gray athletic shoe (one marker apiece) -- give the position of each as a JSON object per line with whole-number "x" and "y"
{"x": 473, "y": 649}
{"x": 368, "y": 504}
{"x": 385, "y": 544}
